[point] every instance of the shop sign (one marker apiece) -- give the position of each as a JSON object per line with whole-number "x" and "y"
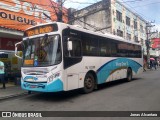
{"x": 155, "y": 43}
{"x": 20, "y": 14}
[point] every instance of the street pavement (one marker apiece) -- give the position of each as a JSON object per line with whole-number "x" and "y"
{"x": 14, "y": 91}
{"x": 141, "y": 94}
{"x": 11, "y": 91}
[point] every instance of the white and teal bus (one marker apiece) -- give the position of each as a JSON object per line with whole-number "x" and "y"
{"x": 62, "y": 57}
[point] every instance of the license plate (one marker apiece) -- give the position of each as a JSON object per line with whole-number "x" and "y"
{"x": 33, "y": 86}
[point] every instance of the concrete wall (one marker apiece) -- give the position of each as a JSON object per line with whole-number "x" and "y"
{"x": 101, "y": 17}
{"x": 95, "y": 17}
{"x": 122, "y": 25}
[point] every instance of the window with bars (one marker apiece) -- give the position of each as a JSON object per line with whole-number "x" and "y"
{"x": 119, "y": 16}
{"x": 128, "y": 36}
{"x": 142, "y": 42}
{"x": 141, "y": 29}
{"x": 135, "y": 24}
{"x": 119, "y": 33}
{"x": 127, "y": 21}
{"x": 136, "y": 39}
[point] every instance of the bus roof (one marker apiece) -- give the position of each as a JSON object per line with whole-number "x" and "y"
{"x": 79, "y": 28}
{"x": 108, "y": 35}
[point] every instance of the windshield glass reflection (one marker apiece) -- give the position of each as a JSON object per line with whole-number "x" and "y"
{"x": 42, "y": 51}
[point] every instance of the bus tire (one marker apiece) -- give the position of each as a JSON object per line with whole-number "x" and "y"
{"x": 29, "y": 92}
{"x": 89, "y": 83}
{"x": 129, "y": 75}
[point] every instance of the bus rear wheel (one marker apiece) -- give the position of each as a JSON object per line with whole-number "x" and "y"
{"x": 129, "y": 75}
{"x": 89, "y": 83}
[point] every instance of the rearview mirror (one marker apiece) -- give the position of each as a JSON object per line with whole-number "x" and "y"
{"x": 69, "y": 45}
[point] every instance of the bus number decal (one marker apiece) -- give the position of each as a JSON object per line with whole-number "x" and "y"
{"x": 28, "y": 62}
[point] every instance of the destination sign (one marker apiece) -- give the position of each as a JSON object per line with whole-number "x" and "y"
{"x": 41, "y": 30}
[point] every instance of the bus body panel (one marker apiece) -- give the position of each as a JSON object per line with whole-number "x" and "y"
{"x": 55, "y": 86}
{"x": 39, "y": 81}
{"x": 106, "y": 68}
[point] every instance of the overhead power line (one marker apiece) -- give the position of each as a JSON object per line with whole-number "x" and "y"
{"x": 146, "y": 4}
{"x": 29, "y": 2}
{"x": 80, "y": 2}
{"x": 34, "y": 6}
{"x": 135, "y": 10}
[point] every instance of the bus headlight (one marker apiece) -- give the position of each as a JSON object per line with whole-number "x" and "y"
{"x": 52, "y": 77}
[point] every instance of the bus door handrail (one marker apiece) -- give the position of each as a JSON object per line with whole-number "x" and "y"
{"x": 16, "y": 49}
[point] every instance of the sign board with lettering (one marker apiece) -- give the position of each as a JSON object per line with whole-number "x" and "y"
{"x": 22, "y": 14}
{"x": 155, "y": 43}
{"x": 41, "y": 30}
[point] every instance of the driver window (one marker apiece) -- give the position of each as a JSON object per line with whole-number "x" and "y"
{"x": 76, "y": 48}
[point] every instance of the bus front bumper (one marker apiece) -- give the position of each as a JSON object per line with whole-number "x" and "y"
{"x": 55, "y": 86}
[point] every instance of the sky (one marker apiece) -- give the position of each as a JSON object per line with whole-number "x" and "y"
{"x": 147, "y": 9}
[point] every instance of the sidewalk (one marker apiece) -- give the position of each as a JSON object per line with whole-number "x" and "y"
{"x": 11, "y": 91}
{"x": 147, "y": 69}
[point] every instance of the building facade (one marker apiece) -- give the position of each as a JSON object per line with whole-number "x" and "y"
{"x": 113, "y": 17}
{"x": 15, "y": 17}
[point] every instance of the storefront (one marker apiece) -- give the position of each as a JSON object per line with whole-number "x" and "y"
{"x": 155, "y": 45}
{"x": 8, "y": 38}
{"x": 15, "y": 17}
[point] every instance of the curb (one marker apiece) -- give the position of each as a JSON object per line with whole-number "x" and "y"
{"x": 13, "y": 96}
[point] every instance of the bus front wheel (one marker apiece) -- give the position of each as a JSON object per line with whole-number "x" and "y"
{"x": 89, "y": 83}
{"x": 129, "y": 75}
{"x": 29, "y": 92}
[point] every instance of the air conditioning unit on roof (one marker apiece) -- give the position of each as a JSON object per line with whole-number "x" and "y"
{"x": 79, "y": 26}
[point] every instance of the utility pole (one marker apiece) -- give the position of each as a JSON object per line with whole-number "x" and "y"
{"x": 60, "y": 13}
{"x": 148, "y": 33}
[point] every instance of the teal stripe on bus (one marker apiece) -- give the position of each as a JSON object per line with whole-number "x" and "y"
{"x": 121, "y": 63}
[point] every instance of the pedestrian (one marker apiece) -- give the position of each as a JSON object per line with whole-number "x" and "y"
{"x": 151, "y": 64}
{"x": 2, "y": 74}
{"x": 144, "y": 65}
{"x": 155, "y": 64}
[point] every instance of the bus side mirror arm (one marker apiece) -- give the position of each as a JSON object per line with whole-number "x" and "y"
{"x": 69, "y": 45}
{"x": 70, "y": 48}
{"x": 17, "y": 48}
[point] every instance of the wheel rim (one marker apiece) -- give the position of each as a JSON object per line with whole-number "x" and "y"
{"x": 88, "y": 82}
{"x": 129, "y": 75}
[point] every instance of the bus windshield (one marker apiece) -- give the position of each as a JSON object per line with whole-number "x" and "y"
{"x": 42, "y": 51}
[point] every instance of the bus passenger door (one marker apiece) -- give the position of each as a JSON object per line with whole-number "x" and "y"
{"x": 72, "y": 58}
{"x": 72, "y": 81}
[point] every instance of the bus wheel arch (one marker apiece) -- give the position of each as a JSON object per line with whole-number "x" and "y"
{"x": 90, "y": 82}
{"x": 129, "y": 74}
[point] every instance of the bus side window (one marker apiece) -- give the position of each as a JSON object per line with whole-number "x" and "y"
{"x": 76, "y": 48}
